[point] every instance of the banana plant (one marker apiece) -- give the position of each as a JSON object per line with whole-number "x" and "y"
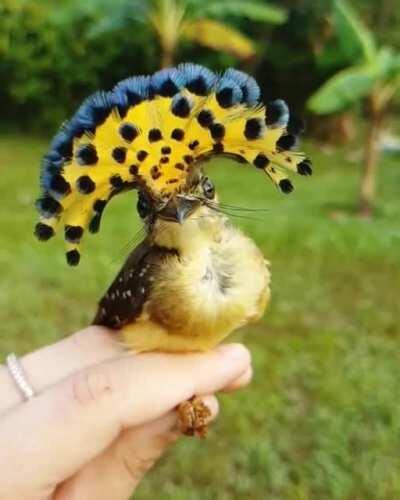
{"x": 202, "y": 22}
{"x": 373, "y": 76}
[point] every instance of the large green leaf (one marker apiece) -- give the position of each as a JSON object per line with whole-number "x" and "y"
{"x": 388, "y": 63}
{"x": 344, "y": 89}
{"x": 253, "y": 10}
{"x": 356, "y": 41}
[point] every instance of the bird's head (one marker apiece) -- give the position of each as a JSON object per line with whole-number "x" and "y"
{"x": 178, "y": 207}
{"x": 173, "y": 220}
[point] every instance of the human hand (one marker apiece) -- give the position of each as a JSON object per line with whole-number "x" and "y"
{"x": 102, "y": 417}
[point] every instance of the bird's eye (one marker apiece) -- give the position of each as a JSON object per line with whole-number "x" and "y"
{"x": 143, "y": 206}
{"x": 208, "y": 188}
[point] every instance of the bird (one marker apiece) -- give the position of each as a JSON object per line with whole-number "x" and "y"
{"x": 195, "y": 277}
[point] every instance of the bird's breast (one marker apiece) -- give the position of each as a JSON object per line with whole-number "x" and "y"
{"x": 213, "y": 287}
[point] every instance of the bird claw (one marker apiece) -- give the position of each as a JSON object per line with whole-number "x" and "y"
{"x": 193, "y": 417}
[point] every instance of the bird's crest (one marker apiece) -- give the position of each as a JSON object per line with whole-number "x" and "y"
{"x": 150, "y": 132}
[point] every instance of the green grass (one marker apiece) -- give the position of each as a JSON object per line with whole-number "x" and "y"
{"x": 321, "y": 419}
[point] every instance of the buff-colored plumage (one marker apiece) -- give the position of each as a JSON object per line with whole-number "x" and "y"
{"x": 219, "y": 283}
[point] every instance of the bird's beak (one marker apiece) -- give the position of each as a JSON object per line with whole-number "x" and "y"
{"x": 178, "y": 209}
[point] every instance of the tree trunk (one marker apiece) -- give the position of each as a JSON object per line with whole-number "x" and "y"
{"x": 370, "y": 163}
{"x": 167, "y": 58}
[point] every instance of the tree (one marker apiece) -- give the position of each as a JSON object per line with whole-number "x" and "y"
{"x": 373, "y": 76}
{"x": 201, "y": 22}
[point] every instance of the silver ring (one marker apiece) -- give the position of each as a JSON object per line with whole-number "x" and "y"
{"x": 18, "y": 375}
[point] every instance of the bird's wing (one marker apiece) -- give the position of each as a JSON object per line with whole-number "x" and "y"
{"x": 124, "y": 300}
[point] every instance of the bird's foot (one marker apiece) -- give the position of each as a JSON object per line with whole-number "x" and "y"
{"x": 193, "y": 416}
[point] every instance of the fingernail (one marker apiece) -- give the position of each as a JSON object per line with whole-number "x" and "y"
{"x": 212, "y": 404}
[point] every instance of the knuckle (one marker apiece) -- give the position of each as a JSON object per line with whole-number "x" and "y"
{"x": 92, "y": 386}
{"x": 137, "y": 461}
{"x": 166, "y": 439}
{"x": 136, "y": 466}
{"x": 213, "y": 405}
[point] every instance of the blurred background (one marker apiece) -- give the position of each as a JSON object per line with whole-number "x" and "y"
{"x": 322, "y": 417}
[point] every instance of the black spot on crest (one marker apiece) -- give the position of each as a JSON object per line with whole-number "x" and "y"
{"x": 65, "y": 148}
{"x": 134, "y": 169}
{"x": 178, "y": 134}
{"x": 217, "y": 131}
{"x": 60, "y": 185}
{"x": 180, "y": 166}
{"x": 94, "y": 224}
{"x": 275, "y": 112}
{"x": 205, "y": 118}
{"x": 198, "y": 86}
{"x": 99, "y": 206}
{"x": 286, "y": 186}
{"x": 119, "y": 154}
{"x": 43, "y": 232}
{"x": 218, "y": 148}
{"x": 87, "y": 155}
{"x": 117, "y": 182}
{"x": 122, "y": 110}
{"x": 253, "y": 129}
{"x": 73, "y": 257}
{"x": 155, "y": 135}
{"x": 193, "y": 145}
{"x": 48, "y": 206}
{"x": 225, "y": 97}
{"x": 166, "y": 150}
{"x": 128, "y": 132}
{"x": 188, "y": 159}
{"x": 155, "y": 172}
{"x": 305, "y": 167}
{"x": 73, "y": 234}
{"x": 168, "y": 88}
{"x": 164, "y": 159}
{"x": 286, "y": 142}
{"x": 260, "y": 161}
{"x": 85, "y": 185}
{"x": 133, "y": 98}
{"x": 100, "y": 114}
{"x": 142, "y": 155}
{"x": 181, "y": 107}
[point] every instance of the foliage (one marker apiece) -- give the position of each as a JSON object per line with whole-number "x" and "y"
{"x": 371, "y": 66}
{"x": 355, "y": 40}
{"x": 374, "y": 74}
{"x": 206, "y": 24}
{"x": 321, "y": 418}
{"x": 49, "y": 61}
{"x": 219, "y": 36}
{"x": 53, "y": 54}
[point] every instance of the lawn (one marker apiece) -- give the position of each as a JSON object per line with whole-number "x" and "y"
{"x": 321, "y": 419}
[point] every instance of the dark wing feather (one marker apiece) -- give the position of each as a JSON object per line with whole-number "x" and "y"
{"x": 125, "y": 298}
